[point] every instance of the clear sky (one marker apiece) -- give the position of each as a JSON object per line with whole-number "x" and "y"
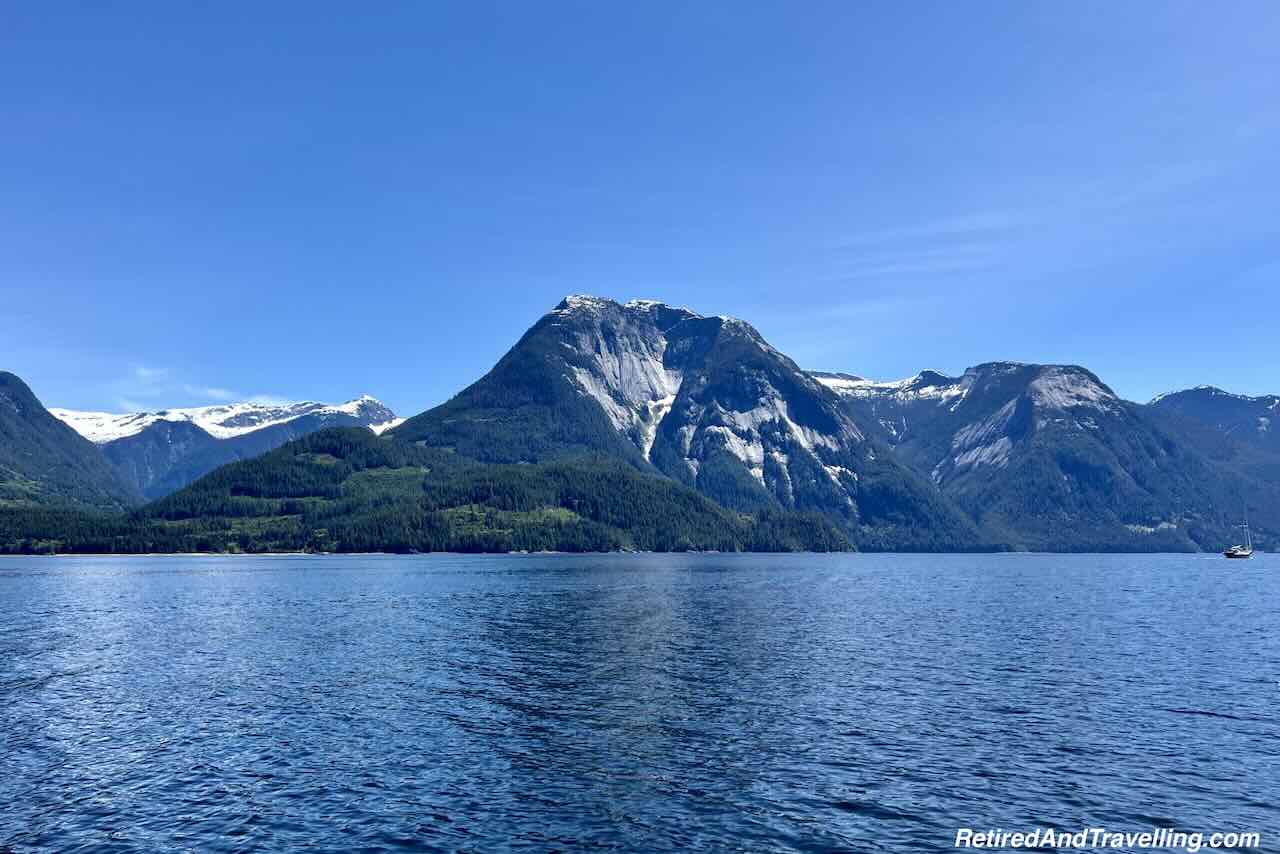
{"x": 314, "y": 200}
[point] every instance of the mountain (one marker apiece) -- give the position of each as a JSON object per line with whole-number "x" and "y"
{"x": 1253, "y": 421}
{"x": 1049, "y": 457}
{"x": 45, "y": 462}
{"x": 643, "y": 425}
{"x": 703, "y": 400}
{"x": 160, "y": 452}
{"x": 348, "y": 490}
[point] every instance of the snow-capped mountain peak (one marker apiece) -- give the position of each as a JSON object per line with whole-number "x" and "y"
{"x": 926, "y": 385}
{"x": 222, "y": 421}
{"x": 1047, "y": 386}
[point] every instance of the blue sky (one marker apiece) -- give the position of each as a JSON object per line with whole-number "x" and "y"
{"x": 310, "y": 201}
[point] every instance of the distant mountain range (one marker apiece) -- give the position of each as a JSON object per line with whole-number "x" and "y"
{"x": 1049, "y": 457}
{"x": 156, "y": 453}
{"x": 1004, "y": 456}
{"x": 1253, "y": 421}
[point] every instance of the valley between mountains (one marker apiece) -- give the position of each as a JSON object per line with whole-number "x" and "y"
{"x": 644, "y": 426}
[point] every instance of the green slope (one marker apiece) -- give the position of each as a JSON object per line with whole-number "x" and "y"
{"x": 346, "y": 490}
{"x": 43, "y": 462}
{"x": 525, "y": 409}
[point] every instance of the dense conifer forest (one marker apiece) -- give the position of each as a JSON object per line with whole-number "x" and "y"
{"x": 346, "y": 490}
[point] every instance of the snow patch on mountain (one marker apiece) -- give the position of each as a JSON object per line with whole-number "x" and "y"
{"x": 926, "y": 385}
{"x": 103, "y": 427}
{"x": 581, "y": 302}
{"x": 1152, "y": 529}
{"x": 854, "y": 386}
{"x": 384, "y": 426}
{"x": 841, "y": 383}
{"x": 656, "y": 410}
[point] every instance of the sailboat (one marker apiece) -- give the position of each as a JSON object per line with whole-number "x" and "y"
{"x": 1242, "y": 552}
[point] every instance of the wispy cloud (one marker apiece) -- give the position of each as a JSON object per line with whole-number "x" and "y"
{"x": 938, "y": 260}
{"x": 139, "y": 386}
{"x": 858, "y": 308}
{"x": 149, "y": 376}
{"x": 950, "y": 245}
{"x": 820, "y": 337}
{"x": 210, "y": 392}
{"x": 1153, "y": 186}
{"x": 147, "y": 387}
{"x": 960, "y": 225}
{"x": 915, "y": 268}
{"x": 270, "y": 400}
{"x": 1007, "y": 237}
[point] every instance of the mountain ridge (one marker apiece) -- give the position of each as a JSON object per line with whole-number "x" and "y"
{"x": 1045, "y": 456}
{"x": 1005, "y": 455}
{"x": 221, "y": 421}
{"x": 1250, "y": 420}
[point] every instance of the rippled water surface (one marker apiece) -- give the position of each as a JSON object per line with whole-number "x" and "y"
{"x": 631, "y": 702}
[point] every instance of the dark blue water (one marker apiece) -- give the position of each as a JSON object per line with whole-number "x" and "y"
{"x": 752, "y": 703}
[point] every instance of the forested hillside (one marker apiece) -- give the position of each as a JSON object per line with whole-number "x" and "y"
{"x": 43, "y": 462}
{"x": 346, "y": 490}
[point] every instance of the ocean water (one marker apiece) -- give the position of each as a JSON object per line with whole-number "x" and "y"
{"x": 632, "y": 702}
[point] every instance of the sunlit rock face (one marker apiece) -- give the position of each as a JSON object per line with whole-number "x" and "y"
{"x": 702, "y": 399}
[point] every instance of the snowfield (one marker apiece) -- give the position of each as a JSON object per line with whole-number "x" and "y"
{"x": 222, "y": 421}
